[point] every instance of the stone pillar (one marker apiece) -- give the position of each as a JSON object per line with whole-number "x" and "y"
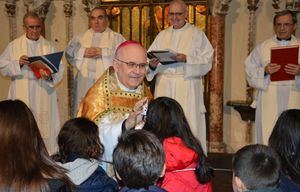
{"x": 252, "y": 7}
{"x": 10, "y": 6}
{"x": 216, "y": 76}
{"x": 68, "y": 10}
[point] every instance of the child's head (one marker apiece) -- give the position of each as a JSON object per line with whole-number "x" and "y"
{"x": 80, "y": 137}
{"x": 166, "y": 118}
{"x": 255, "y": 167}
{"x": 139, "y": 159}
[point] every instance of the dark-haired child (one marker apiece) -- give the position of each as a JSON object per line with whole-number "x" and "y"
{"x": 256, "y": 169}
{"x": 139, "y": 161}
{"x": 79, "y": 151}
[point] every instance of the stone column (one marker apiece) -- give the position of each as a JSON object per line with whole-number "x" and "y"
{"x": 10, "y": 6}
{"x": 252, "y": 7}
{"x": 216, "y": 76}
{"x": 68, "y": 10}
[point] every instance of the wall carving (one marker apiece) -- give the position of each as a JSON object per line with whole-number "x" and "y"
{"x": 41, "y": 7}
{"x": 221, "y": 7}
{"x": 11, "y": 7}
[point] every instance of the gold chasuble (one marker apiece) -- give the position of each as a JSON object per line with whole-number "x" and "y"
{"x": 105, "y": 97}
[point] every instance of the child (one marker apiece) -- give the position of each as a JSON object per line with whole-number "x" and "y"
{"x": 79, "y": 149}
{"x": 25, "y": 164}
{"x": 256, "y": 169}
{"x": 285, "y": 140}
{"x": 187, "y": 169}
{"x": 139, "y": 161}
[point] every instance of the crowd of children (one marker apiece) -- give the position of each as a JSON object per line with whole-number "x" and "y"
{"x": 163, "y": 156}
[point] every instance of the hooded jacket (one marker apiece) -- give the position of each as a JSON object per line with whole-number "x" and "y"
{"x": 88, "y": 176}
{"x": 181, "y": 162}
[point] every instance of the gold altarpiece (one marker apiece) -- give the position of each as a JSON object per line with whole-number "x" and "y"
{"x": 141, "y": 20}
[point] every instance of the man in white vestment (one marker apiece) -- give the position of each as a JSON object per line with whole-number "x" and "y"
{"x": 273, "y": 97}
{"x": 182, "y": 80}
{"x": 92, "y": 52}
{"x": 118, "y": 94}
{"x": 38, "y": 94}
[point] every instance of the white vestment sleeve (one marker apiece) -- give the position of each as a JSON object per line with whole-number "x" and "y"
{"x": 255, "y": 71}
{"x": 199, "y": 59}
{"x": 8, "y": 66}
{"x": 75, "y": 52}
{"x": 109, "y": 134}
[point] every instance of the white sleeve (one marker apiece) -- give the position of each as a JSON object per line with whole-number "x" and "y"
{"x": 75, "y": 52}
{"x": 8, "y": 66}
{"x": 255, "y": 70}
{"x": 109, "y": 134}
{"x": 199, "y": 59}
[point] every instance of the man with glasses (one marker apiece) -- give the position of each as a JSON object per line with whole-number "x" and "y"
{"x": 38, "y": 94}
{"x": 118, "y": 94}
{"x": 182, "y": 80}
{"x": 92, "y": 52}
{"x": 273, "y": 97}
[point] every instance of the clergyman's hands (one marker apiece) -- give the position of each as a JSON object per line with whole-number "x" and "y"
{"x": 272, "y": 68}
{"x": 93, "y": 52}
{"x": 180, "y": 57}
{"x": 292, "y": 69}
{"x": 23, "y": 60}
{"x": 133, "y": 119}
{"x": 153, "y": 63}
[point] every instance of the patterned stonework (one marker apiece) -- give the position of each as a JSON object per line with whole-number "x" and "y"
{"x": 221, "y": 7}
{"x": 41, "y": 7}
{"x": 68, "y": 10}
{"x": 10, "y": 6}
{"x": 216, "y": 85}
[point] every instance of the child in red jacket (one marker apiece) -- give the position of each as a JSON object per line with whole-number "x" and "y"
{"x": 187, "y": 169}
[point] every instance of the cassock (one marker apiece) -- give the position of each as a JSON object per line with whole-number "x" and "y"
{"x": 108, "y": 103}
{"x": 183, "y": 81}
{"x": 90, "y": 69}
{"x": 38, "y": 94}
{"x": 272, "y": 97}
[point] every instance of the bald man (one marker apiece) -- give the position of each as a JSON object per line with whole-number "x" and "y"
{"x": 182, "y": 80}
{"x": 117, "y": 95}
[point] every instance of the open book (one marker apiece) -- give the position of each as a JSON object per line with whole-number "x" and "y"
{"x": 165, "y": 57}
{"x": 284, "y": 55}
{"x": 48, "y": 63}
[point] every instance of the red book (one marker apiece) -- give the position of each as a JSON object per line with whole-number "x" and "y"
{"x": 39, "y": 65}
{"x": 282, "y": 56}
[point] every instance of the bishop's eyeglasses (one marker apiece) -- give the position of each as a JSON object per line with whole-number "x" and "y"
{"x": 133, "y": 65}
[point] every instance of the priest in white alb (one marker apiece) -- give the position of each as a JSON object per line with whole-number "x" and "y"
{"x": 182, "y": 80}
{"x": 38, "y": 93}
{"x": 273, "y": 97}
{"x": 91, "y": 52}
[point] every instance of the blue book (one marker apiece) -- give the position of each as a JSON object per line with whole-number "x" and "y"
{"x": 48, "y": 63}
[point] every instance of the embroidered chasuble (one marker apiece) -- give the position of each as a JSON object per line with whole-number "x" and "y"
{"x": 106, "y": 98}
